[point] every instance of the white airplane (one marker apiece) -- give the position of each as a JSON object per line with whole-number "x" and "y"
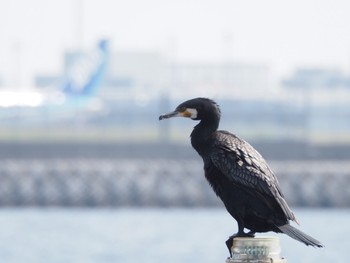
{"x": 76, "y": 90}
{"x": 83, "y": 78}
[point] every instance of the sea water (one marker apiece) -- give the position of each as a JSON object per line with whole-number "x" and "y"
{"x": 131, "y": 235}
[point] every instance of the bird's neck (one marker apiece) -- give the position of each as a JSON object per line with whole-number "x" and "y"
{"x": 202, "y": 133}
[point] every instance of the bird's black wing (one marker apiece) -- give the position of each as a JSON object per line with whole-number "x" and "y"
{"x": 245, "y": 167}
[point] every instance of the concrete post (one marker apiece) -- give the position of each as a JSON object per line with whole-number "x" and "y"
{"x": 257, "y": 250}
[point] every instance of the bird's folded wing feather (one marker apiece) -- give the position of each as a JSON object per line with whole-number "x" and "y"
{"x": 245, "y": 167}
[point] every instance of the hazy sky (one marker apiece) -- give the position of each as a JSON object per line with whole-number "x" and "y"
{"x": 282, "y": 34}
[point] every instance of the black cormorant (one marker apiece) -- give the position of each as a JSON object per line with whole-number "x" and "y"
{"x": 239, "y": 175}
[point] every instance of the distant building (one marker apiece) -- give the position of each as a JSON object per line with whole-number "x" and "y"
{"x": 45, "y": 81}
{"x": 227, "y": 80}
{"x": 317, "y": 78}
{"x": 149, "y": 74}
{"x": 153, "y": 73}
{"x": 138, "y": 70}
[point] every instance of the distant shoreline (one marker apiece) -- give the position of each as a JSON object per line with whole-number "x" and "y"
{"x": 283, "y": 150}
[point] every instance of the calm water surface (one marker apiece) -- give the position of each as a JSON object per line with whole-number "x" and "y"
{"x": 152, "y": 235}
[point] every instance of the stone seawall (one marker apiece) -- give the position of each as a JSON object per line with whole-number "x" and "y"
{"x": 156, "y": 182}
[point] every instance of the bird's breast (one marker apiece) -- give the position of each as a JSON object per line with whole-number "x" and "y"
{"x": 217, "y": 181}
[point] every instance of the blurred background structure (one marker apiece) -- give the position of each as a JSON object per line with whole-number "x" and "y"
{"x": 86, "y": 82}
{"x": 82, "y": 84}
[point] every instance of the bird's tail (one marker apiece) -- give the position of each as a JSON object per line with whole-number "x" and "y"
{"x": 300, "y": 236}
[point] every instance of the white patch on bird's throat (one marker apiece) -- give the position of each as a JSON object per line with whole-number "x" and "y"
{"x": 193, "y": 112}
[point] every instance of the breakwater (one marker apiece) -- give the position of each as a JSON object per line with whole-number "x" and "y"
{"x": 155, "y": 182}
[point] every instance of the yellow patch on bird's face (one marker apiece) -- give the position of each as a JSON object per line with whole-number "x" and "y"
{"x": 189, "y": 113}
{"x": 185, "y": 114}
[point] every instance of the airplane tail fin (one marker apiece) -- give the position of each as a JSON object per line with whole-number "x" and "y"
{"x": 87, "y": 71}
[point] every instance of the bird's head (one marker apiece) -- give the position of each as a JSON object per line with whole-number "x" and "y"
{"x": 196, "y": 109}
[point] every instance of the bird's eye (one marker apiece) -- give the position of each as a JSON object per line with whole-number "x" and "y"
{"x": 181, "y": 109}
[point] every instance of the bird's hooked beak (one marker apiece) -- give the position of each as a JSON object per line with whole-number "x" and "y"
{"x": 170, "y": 115}
{"x": 187, "y": 113}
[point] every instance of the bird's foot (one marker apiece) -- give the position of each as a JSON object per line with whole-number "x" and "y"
{"x": 229, "y": 241}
